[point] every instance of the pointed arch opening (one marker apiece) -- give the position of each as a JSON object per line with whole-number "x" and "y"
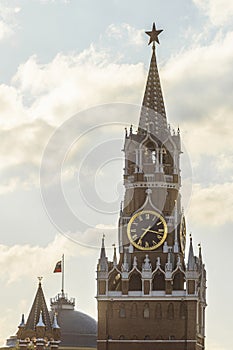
{"x": 114, "y": 281}
{"x": 183, "y": 310}
{"x": 168, "y": 160}
{"x": 134, "y": 311}
{"x": 147, "y": 337}
{"x": 149, "y": 152}
{"x": 135, "y": 282}
{"x": 178, "y": 281}
{"x": 158, "y": 282}
{"x": 159, "y": 337}
{"x": 170, "y": 312}
{"x": 146, "y": 311}
{"x": 110, "y": 310}
{"x": 158, "y": 311}
{"x": 122, "y": 311}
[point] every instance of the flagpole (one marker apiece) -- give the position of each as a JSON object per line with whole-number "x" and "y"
{"x": 63, "y": 272}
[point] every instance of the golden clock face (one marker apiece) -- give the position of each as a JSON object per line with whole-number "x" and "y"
{"x": 147, "y": 230}
{"x": 182, "y": 234}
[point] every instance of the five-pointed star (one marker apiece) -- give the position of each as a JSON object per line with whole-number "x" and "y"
{"x": 153, "y": 34}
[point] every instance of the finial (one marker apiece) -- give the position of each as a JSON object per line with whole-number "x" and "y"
{"x": 199, "y": 246}
{"x": 22, "y": 323}
{"x": 125, "y": 265}
{"x": 40, "y": 322}
{"x": 154, "y": 34}
{"x": 178, "y": 261}
{"x": 131, "y": 129}
{"x": 40, "y": 279}
{"x": 114, "y": 255}
{"x": 121, "y": 206}
{"x": 55, "y": 324}
{"x": 148, "y": 191}
{"x": 147, "y": 264}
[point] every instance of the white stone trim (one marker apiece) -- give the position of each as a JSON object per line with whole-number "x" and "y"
{"x": 160, "y": 184}
{"x": 148, "y": 298}
{"x": 146, "y": 341}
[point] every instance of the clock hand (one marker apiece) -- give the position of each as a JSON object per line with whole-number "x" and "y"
{"x": 144, "y": 233}
{"x": 150, "y": 230}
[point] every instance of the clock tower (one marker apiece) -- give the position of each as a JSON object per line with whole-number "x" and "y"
{"x": 150, "y": 298}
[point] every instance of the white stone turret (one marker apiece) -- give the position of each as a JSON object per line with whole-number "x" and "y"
{"x": 103, "y": 260}
{"x": 191, "y": 266}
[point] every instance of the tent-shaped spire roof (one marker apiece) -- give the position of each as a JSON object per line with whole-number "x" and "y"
{"x": 38, "y": 309}
{"x": 191, "y": 257}
{"x": 103, "y": 261}
{"x": 153, "y": 115}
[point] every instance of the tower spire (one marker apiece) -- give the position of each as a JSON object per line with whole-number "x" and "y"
{"x": 103, "y": 261}
{"x": 153, "y": 114}
{"x": 38, "y": 307}
{"x": 191, "y": 257}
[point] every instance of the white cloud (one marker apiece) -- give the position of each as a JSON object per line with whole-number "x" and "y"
{"x": 14, "y": 260}
{"x": 127, "y": 33}
{"x": 21, "y": 264}
{"x": 72, "y": 82}
{"x": 198, "y": 92}
{"x": 212, "y": 205}
{"x": 8, "y": 23}
{"x": 42, "y": 95}
{"x": 220, "y": 12}
{"x": 12, "y": 109}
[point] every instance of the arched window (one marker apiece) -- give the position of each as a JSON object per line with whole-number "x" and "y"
{"x": 178, "y": 281}
{"x": 114, "y": 282}
{"x": 172, "y": 337}
{"x": 183, "y": 310}
{"x": 158, "y": 281}
{"x": 149, "y": 152}
{"x": 153, "y": 156}
{"x": 134, "y": 311}
{"x": 158, "y": 311}
{"x": 122, "y": 337}
{"x": 122, "y": 313}
{"x": 170, "y": 311}
{"x": 159, "y": 337}
{"x": 135, "y": 282}
{"x": 110, "y": 310}
{"x": 147, "y": 337}
{"x": 146, "y": 311}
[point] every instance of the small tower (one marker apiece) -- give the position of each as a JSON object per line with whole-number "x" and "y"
{"x": 38, "y": 330}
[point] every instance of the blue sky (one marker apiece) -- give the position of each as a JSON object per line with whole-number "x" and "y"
{"x": 61, "y": 59}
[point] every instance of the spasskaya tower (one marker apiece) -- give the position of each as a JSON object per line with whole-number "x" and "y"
{"x": 150, "y": 298}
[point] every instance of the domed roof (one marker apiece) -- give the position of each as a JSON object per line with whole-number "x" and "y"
{"x": 77, "y": 328}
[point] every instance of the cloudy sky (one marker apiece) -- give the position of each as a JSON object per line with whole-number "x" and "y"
{"x": 72, "y": 76}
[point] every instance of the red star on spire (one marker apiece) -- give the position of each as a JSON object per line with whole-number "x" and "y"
{"x": 153, "y": 34}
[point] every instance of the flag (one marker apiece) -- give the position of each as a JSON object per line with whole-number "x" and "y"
{"x": 58, "y": 267}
